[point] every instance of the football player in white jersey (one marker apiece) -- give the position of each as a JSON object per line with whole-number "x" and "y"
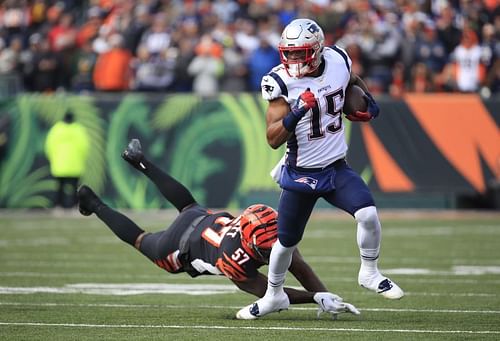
{"x": 306, "y": 96}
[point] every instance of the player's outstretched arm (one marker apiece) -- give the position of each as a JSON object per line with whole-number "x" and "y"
{"x": 301, "y": 270}
{"x": 327, "y": 302}
{"x": 257, "y": 286}
{"x": 305, "y": 274}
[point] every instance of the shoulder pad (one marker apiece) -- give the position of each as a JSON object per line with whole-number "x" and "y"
{"x": 343, "y": 54}
{"x": 270, "y": 88}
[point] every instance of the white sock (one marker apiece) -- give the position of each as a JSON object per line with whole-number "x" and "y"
{"x": 369, "y": 267}
{"x": 279, "y": 262}
{"x": 368, "y": 238}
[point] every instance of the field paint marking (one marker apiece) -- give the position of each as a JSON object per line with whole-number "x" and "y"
{"x": 179, "y": 280}
{"x": 125, "y": 289}
{"x": 457, "y": 270}
{"x": 177, "y": 288}
{"x": 196, "y": 327}
{"x": 410, "y": 231}
{"x": 172, "y": 306}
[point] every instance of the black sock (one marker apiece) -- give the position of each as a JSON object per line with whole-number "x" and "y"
{"x": 172, "y": 190}
{"x": 122, "y": 226}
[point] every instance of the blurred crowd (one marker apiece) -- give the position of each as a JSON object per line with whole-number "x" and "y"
{"x": 206, "y": 46}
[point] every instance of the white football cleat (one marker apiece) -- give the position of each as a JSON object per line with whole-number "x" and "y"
{"x": 264, "y": 306}
{"x": 381, "y": 285}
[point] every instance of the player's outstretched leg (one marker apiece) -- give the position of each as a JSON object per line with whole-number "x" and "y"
{"x": 175, "y": 192}
{"x": 264, "y": 306}
{"x": 88, "y": 201}
{"x": 122, "y": 226}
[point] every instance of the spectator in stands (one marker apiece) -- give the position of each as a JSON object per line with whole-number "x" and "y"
{"x": 207, "y": 67}
{"x": 47, "y": 63}
{"x": 245, "y": 36}
{"x": 386, "y": 32}
{"x": 90, "y": 29}
{"x": 157, "y": 38}
{"x": 183, "y": 81}
{"x": 27, "y": 61}
{"x": 67, "y": 148}
{"x": 492, "y": 80}
{"x": 430, "y": 51}
{"x": 225, "y": 10}
{"x": 448, "y": 32}
{"x": 140, "y": 24}
{"x": 408, "y": 53}
{"x": 4, "y": 134}
{"x": 83, "y": 65}
{"x": 153, "y": 72}
{"x": 260, "y": 61}
{"x": 421, "y": 79}
{"x": 15, "y": 17}
{"x": 62, "y": 40}
{"x": 381, "y": 52}
{"x": 490, "y": 50}
{"x": 490, "y": 44}
{"x": 38, "y": 14}
{"x": 9, "y": 57}
{"x": 235, "y": 70}
{"x": 466, "y": 72}
{"x": 112, "y": 70}
{"x": 62, "y": 37}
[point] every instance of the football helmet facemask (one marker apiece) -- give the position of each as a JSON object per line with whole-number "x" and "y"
{"x": 301, "y": 47}
{"x": 259, "y": 230}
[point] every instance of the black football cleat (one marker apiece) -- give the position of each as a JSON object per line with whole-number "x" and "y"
{"x": 88, "y": 201}
{"x": 133, "y": 154}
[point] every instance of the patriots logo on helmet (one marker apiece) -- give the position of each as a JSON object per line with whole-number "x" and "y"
{"x": 313, "y": 28}
{"x": 311, "y": 182}
{"x": 268, "y": 88}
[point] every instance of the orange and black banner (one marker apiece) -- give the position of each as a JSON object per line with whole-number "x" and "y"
{"x": 431, "y": 143}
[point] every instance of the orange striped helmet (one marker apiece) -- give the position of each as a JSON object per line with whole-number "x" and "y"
{"x": 259, "y": 230}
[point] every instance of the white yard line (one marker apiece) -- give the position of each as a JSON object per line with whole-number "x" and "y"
{"x": 122, "y": 289}
{"x": 174, "y": 306}
{"x": 198, "y": 327}
{"x": 125, "y": 289}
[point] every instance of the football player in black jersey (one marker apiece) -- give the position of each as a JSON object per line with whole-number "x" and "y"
{"x": 202, "y": 242}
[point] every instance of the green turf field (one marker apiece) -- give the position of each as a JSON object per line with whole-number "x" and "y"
{"x": 70, "y": 278}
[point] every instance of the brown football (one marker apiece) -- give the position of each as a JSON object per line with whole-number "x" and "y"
{"x": 354, "y": 100}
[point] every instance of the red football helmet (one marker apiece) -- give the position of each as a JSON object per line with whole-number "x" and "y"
{"x": 259, "y": 230}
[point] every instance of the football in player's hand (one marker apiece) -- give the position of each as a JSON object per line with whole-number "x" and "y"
{"x": 354, "y": 100}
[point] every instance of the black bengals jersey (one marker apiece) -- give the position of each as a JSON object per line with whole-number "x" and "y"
{"x": 214, "y": 247}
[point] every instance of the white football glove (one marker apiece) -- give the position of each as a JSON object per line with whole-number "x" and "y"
{"x": 333, "y": 304}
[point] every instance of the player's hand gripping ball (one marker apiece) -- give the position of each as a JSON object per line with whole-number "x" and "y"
{"x": 354, "y": 101}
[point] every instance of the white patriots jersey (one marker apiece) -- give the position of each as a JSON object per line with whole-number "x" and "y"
{"x": 319, "y": 138}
